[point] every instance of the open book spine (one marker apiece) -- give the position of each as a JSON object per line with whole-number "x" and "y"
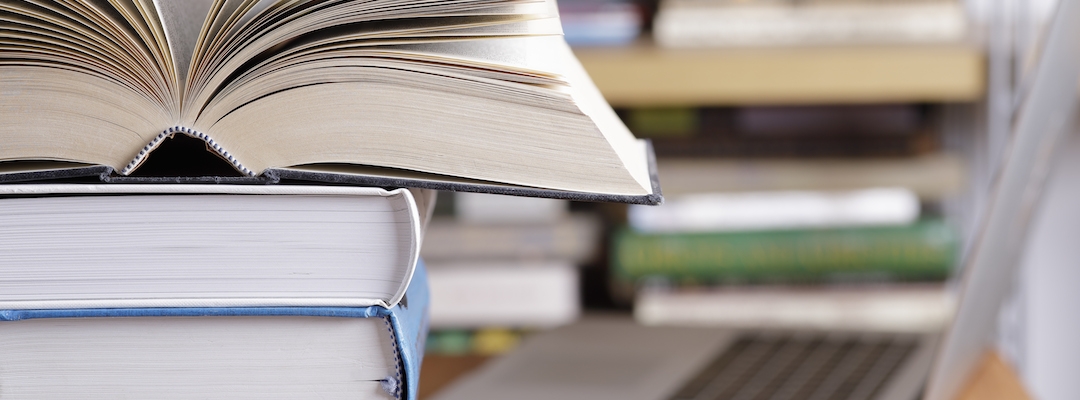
{"x": 407, "y": 323}
{"x": 169, "y": 133}
{"x": 409, "y": 320}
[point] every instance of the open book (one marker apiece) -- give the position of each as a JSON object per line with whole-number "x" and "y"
{"x": 479, "y": 95}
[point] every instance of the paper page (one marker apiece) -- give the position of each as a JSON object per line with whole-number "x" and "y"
{"x": 182, "y": 21}
{"x": 531, "y": 53}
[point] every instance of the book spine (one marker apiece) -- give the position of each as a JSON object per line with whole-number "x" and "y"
{"x": 918, "y": 252}
{"x": 409, "y": 320}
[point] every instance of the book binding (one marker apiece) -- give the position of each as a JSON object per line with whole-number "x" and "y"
{"x": 360, "y": 176}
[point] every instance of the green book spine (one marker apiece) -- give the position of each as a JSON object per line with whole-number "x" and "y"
{"x": 922, "y": 251}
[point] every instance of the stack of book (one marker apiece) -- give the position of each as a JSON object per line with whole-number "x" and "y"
{"x": 227, "y": 198}
{"x": 210, "y": 290}
{"x": 854, "y": 260}
{"x": 500, "y": 264}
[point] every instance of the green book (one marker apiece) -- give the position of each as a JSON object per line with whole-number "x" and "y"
{"x": 919, "y": 252}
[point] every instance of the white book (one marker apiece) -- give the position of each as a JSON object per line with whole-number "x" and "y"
{"x": 575, "y": 238}
{"x": 873, "y": 308}
{"x": 114, "y": 246}
{"x": 715, "y": 23}
{"x": 498, "y": 209}
{"x": 746, "y": 211}
{"x": 503, "y": 294}
{"x": 932, "y": 177}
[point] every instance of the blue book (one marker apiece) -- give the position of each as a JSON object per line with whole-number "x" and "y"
{"x": 286, "y": 352}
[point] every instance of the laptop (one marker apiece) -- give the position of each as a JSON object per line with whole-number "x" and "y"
{"x": 612, "y": 357}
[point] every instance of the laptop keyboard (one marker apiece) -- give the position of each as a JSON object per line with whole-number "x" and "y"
{"x": 799, "y": 368}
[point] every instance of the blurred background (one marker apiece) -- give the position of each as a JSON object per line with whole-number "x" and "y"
{"x": 824, "y": 163}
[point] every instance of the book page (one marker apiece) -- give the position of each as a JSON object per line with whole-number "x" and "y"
{"x": 138, "y": 28}
{"x": 182, "y": 21}
{"x": 528, "y": 53}
{"x": 94, "y": 37}
{"x": 79, "y": 83}
{"x": 284, "y": 23}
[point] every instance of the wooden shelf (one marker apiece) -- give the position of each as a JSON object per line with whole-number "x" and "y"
{"x": 645, "y": 75}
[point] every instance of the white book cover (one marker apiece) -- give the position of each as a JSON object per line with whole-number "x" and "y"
{"x": 697, "y": 23}
{"x": 748, "y": 211}
{"x": 503, "y": 294}
{"x": 498, "y": 209}
{"x": 873, "y": 308}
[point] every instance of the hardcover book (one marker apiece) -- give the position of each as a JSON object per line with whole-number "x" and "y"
{"x": 923, "y": 251}
{"x": 574, "y": 238}
{"x": 118, "y": 246}
{"x": 716, "y": 23}
{"x": 777, "y": 210}
{"x": 894, "y": 307}
{"x": 473, "y": 95}
{"x": 217, "y": 353}
{"x": 471, "y": 294}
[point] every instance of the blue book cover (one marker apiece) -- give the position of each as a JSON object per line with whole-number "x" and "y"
{"x": 408, "y": 321}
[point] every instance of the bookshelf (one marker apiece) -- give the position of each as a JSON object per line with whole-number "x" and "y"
{"x": 646, "y": 75}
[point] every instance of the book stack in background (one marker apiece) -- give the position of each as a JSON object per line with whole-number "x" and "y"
{"x": 864, "y": 260}
{"x": 771, "y": 219}
{"x": 503, "y": 265}
{"x": 824, "y": 216}
{"x": 819, "y": 147}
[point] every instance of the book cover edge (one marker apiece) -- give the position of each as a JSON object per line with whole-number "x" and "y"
{"x": 274, "y": 176}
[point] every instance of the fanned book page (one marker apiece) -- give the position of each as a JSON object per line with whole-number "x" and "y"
{"x": 480, "y": 91}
